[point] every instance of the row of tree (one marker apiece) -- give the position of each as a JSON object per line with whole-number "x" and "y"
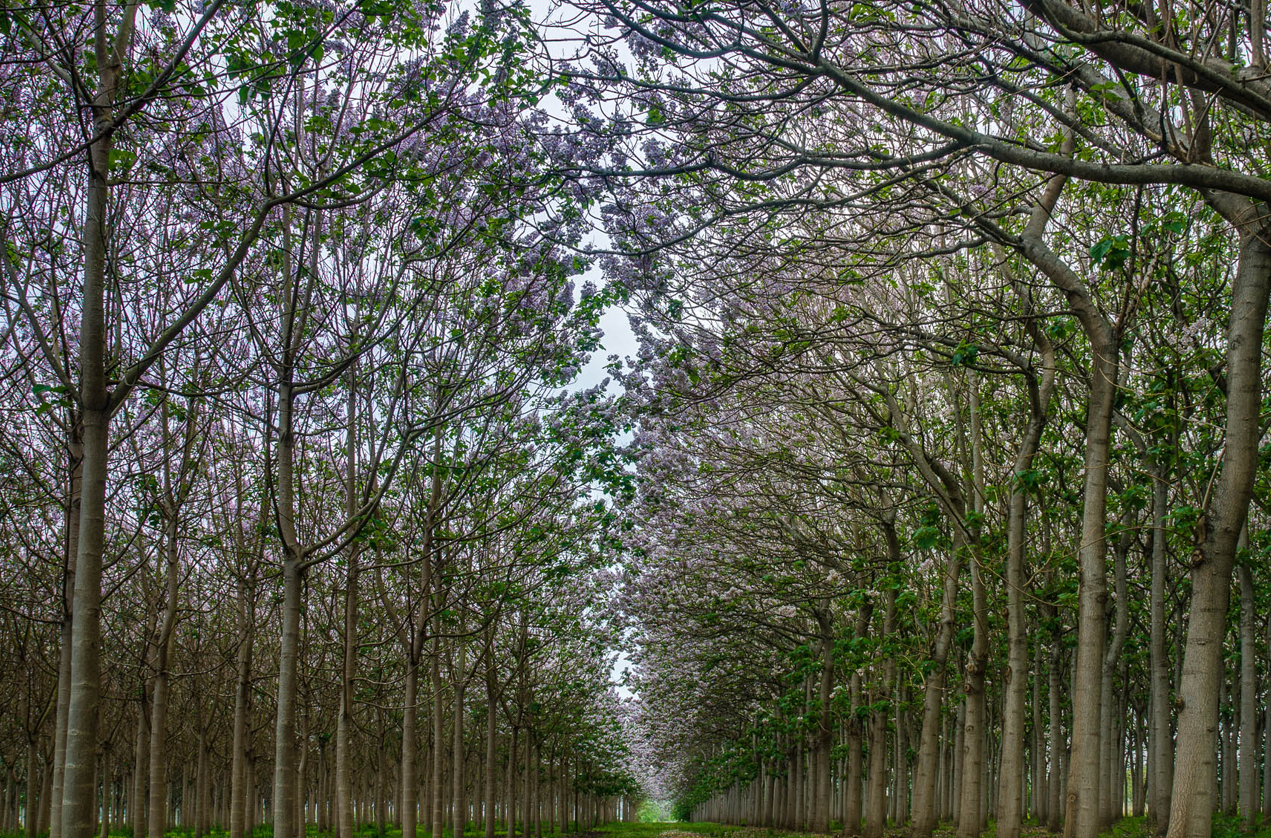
{"x": 950, "y": 401}
{"x": 300, "y": 511}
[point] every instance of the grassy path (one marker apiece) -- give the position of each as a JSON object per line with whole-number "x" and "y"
{"x": 1224, "y": 827}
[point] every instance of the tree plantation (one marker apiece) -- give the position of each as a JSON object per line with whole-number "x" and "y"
{"x": 923, "y": 484}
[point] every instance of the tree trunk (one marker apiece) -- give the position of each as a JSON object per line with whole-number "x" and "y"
{"x": 158, "y": 817}
{"x": 924, "y": 802}
{"x": 435, "y": 787}
{"x": 240, "y": 788}
{"x": 1248, "y": 704}
{"x": 202, "y": 781}
{"x": 1217, "y": 533}
{"x": 30, "y": 817}
{"x": 79, "y": 794}
{"x": 510, "y": 787}
{"x": 344, "y": 718}
{"x": 1055, "y": 782}
{"x": 1112, "y": 765}
{"x": 491, "y": 729}
{"x": 852, "y": 790}
{"x": 459, "y": 783}
{"x": 1041, "y": 787}
{"x": 73, "y": 512}
{"x": 876, "y": 810}
{"x": 824, "y": 731}
{"x": 138, "y": 802}
{"x": 104, "y": 825}
{"x": 1010, "y": 810}
{"x": 284, "y": 798}
{"x": 959, "y": 740}
{"x": 971, "y": 799}
{"x": 1160, "y": 737}
{"x": 1081, "y": 811}
{"x": 1266, "y": 745}
{"x": 973, "y": 762}
{"x": 1082, "y": 800}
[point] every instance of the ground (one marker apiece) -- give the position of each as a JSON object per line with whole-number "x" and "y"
{"x": 1224, "y": 827}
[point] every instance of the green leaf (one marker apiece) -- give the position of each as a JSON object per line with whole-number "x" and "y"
{"x": 1111, "y": 252}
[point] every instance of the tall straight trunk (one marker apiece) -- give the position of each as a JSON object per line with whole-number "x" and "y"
{"x": 900, "y": 769}
{"x": 796, "y": 785}
{"x": 285, "y": 757}
{"x": 971, "y": 798}
{"x": 46, "y": 790}
{"x": 1217, "y": 533}
{"x": 1041, "y": 787}
{"x": 302, "y": 779}
{"x": 959, "y": 755}
{"x": 973, "y": 782}
{"x": 380, "y": 783}
{"x": 79, "y": 797}
{"x": 943, "y": 770}
{"x": 202, "y": 782}
{"x": 64, "y": 696}
{"x": 30, "y": 817}
{"x": 1112, "y": 773}
{"x": 527, "y": 796}
{"x": 824, "y": 730}
{"x": 138, "y": 803}
{"x": 1054, "y": 717}
{"x": 239, "y": 785}
{"x": 924, "y": 799}
{"x": 435, "y": 793}
{"x": 876, "y": 807}
{"x": 410, "y": 786}
{"x": 509, "y": 783}
{"x": 536, "y": 785}
{"x": 286, "y": 508}
{"x": 491, "y": 729}
{"x": 1010, "y": 809}
{"x": 1081, "y": 811}
{"x": 1266, "y": 744}
{"x": 458, "y": 781}
{"x": 344, "y": 717}
{"x": 1137, "y": 775}
{"x": 413, "y": 642}
{"x": 294, "y": 287}
{"x": 344, "y": 720}
{"x": 772, "y": 808}
{"x": 1082, "y": 800}
{"x": 1226, "y": 747}
{"x": 75, "y": 452}
{"x": 852, "y": 788}
{"x": 1248, "y": 704}
{"x": 158, "y": 816}
{"x": 1160, "y": 738}
{"x": 103, "y": 830}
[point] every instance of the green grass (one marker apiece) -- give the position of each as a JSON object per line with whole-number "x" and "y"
{"x": 653, "y": 830}
{"x": 1225, "y": 826}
